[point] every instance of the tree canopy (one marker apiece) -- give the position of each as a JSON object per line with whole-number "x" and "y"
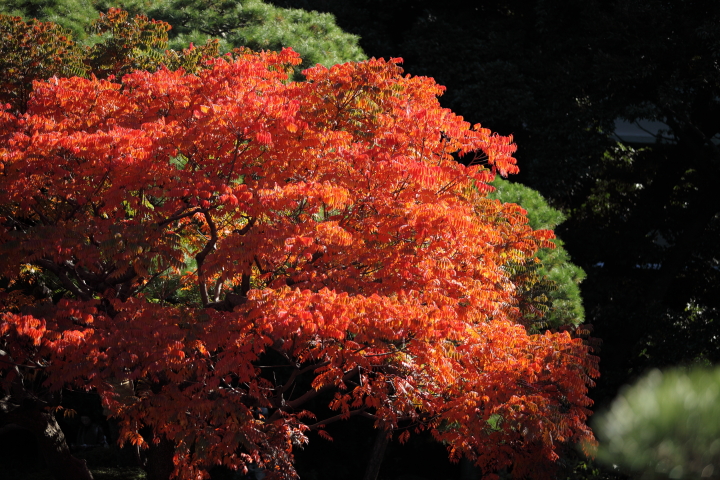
{"x": 201, "y": 227}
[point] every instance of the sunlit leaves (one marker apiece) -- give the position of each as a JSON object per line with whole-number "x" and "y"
{"x": 324, "y": 225}
{"x": 33, "y": 50}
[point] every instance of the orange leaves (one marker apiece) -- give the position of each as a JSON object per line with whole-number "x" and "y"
{"x": 23, "y": 326}
{"x": 15, "y": 300}
{"x": 324, "y": 435}
{"x": 68, "y": 106}
{"x": 314, "y": 195}
{"x": 263, "y": 137}
{"x": 332, "y": 233}
{"x": 229, "y": 236}
{"x": 521, "y": 388}
{"x": 134, "y": 438}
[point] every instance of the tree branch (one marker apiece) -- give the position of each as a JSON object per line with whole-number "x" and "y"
{"x": 296, "y": 373}
{"x": 200, "y": 257}
{"x": 247, "y": 227}
{"x": 179, "y": 216}
{"x": 341, "y": 416}
{"x": 61, "y": 273}
{"x": 20, "y": 364}
{"x": 314, "y": 393}
{"x": 218, "y": 289}
{"x": 309, "y": 395}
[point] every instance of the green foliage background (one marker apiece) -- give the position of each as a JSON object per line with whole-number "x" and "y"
{"x": 562, "y": 277}
{"x": 73, "y": 15}
{"x": 667, "y": 425}
{"x": 249, "y": 23}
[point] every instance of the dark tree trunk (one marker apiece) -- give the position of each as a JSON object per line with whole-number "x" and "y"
{"x": 378, "y": 453}
{"x": 51, "y": 443}
{"x": 159, "y": 457}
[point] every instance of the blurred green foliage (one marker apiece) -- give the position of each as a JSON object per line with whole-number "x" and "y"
{"x": 667, "y": 425}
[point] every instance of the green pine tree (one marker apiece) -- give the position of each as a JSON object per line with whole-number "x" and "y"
{"x": 560, "y": 276}
{"x": 235, "y": 23}
{"x": 73, "y": 15}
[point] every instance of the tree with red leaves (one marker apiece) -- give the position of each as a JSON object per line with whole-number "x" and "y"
{"x": 201, "y": 228}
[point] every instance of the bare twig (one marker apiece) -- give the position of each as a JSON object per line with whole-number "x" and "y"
{"x": 342, "y": 416}
{"x": 200, "y": 257}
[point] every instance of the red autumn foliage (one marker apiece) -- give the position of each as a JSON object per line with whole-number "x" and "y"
{"x": 36, "y": 50}
{"x": 323, "y": 226}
